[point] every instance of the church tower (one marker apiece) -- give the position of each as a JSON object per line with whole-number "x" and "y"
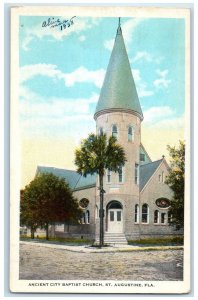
{"x": 119, "y": 113}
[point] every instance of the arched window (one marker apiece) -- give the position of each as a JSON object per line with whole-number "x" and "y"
{"x": 156, "y": 216}
{"x": 136, "y": 213}
{"x": 87, "y": 217}
{"x": 114, "y": 131}
{"x": 130, "y": 133}
{"x": 145, "y": 213}
{"x": 100, "y": 131}
{"x": 114, "y": 204}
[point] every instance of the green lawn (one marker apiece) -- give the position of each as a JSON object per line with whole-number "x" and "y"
{"x": 178, "y": 240}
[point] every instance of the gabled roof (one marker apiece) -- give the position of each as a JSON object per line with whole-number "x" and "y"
{"x": 118, "y": 92}
{"x": 147, "y": 170}
{"x": 75, "y": 180}
{"x": 85, "y": 182}
{"x": 71, "y": 177}
{"x": 79, "y": 182}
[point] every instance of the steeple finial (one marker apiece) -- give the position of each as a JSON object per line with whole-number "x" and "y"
{"x": 119, "y": 26}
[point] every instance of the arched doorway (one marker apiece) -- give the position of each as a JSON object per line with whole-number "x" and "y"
{"x": 114, "y": 217}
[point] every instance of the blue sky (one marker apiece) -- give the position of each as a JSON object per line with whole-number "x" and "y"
{"x": 62, "y": 73}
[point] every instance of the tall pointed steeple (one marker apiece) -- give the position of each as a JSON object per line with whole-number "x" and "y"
{"x": 118, "y": 92}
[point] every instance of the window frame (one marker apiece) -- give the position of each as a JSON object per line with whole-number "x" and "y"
{"x": 137, "y": 213}
{"x": 164, "y": 218}
{"x": 122, "y": 175}
{"x": 144, "y": 157}
{"x": 137, "y": 174}
{"x": 158, "y": 216}
{"x": 114, "y": 132}
{"x": 145, "y": 213}
{"x": 130, "y": 134}
{"x": 85, "y": 217}
{"x": 100, "y": 130}
{"x": 108, "y": 176}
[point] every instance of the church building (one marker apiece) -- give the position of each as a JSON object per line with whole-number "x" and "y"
{"x": 136, "y": 199}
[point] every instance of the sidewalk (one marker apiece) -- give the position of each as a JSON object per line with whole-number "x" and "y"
{"x": 112, "y": 248}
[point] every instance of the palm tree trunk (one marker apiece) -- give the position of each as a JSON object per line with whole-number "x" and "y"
{"x": 101, "y": 213}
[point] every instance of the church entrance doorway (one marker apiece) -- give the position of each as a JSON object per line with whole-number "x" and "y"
{"x": 114, "y": 217}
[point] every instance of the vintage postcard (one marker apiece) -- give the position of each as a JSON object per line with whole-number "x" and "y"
{"x": 100, "y": 150}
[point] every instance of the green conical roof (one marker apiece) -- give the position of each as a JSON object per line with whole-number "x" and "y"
{"x": 118, "y": 92}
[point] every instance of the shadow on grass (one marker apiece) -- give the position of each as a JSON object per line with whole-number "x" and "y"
{"x": 59, "y": 241}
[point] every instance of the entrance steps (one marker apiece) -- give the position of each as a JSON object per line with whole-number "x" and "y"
{"x": 113, "y": 238}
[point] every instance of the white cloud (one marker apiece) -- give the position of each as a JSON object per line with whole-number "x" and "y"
{"x": 136, "y": 75}
{"x": 128, "y": 29}
{"x": 162, "y": 73}
{"x": 156, "y": 114}
{"x": 26, "y": 42}
{"x": 84, "y": 75}
{"x": 81, "y": 74}
{"x": 82, "y": 38}
{"x": 29, "y": 71}
{"x": 108, "y": 44}
{"x": 162, "y": 81}
{"x": 172, "y": 124}
{"x": 142, "y": 55}
{"x": 143, "y": 92}
{"x": 163, "y": 117}
{"x": 141, "y": 85}
{"x": 34, "y": 105}
{"x": 55, "y": 116}
{"x": 80, "y": 25}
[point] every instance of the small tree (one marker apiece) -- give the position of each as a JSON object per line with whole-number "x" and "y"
{"x": 96, "y": 154}
{"x": 176, "y": 180}
{"x": 46, "y": 200}
{"x": 27, "y": 214}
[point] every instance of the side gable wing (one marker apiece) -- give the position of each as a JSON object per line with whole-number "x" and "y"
{"x": 147, "y": 171}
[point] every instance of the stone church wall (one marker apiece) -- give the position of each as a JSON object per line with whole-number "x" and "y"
{"x": 156, "y": 188}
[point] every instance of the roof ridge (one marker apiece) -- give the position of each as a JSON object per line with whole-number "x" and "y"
{"x": 151, "y": 162}
{"x": 78, "y": 180}
{"x": 58, "y": 168}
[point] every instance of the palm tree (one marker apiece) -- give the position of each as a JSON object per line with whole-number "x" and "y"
{"x": 96, "y": 154}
